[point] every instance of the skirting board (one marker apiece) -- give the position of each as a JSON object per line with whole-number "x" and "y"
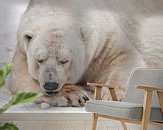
{"x": 51, "y": 116}
{"x": 31, "y": 113}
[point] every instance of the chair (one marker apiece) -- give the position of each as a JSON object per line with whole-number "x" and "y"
{"x": 138, "y": 107}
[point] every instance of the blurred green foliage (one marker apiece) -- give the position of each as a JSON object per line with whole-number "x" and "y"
{"x": 20, "y": 98}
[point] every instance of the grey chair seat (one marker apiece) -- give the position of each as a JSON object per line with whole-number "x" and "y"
{"x": 131, "y": 111}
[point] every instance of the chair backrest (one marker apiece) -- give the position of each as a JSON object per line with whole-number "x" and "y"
{"x": 147, "y": 77}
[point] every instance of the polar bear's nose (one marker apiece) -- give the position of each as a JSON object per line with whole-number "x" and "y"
{"x": 51, "y": 86}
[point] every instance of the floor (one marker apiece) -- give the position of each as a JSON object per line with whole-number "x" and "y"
{"x": 69, "y": 125}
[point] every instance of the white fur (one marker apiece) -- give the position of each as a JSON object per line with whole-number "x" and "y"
{"x": 108, "y": 38}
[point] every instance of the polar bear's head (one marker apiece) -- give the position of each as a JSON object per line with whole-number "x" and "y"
{"x": 56, "y": 55}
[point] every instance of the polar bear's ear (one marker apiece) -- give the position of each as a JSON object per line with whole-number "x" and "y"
{"x": 86, "y": 32}
{"x": 28, "y": 36}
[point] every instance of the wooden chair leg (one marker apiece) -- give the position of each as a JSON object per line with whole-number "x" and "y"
{"x": 146, "y": 109}
{"x": 160, "y": 97}
{"x": 113, "y": 94}
{"x": 94, "y": 123}
{"x": 124, "y": 125}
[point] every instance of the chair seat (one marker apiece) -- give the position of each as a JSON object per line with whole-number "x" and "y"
{"x": 131, "y": 111}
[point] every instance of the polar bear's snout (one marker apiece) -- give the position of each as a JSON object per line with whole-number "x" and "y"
{"x": 51, "y": 84}
{"x": 50, "y": 87}
{"x": 50, "y": 80}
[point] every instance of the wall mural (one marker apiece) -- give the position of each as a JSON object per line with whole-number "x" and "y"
{"x": 63, "y": 45}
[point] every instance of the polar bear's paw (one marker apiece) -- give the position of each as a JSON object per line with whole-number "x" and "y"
{"x": 75, "y": 95}
{"x": 76, "y": 99}
{"x": 46, "y": 101}
{"x": 70, "y": 95}
{"x": 44, "y": 105}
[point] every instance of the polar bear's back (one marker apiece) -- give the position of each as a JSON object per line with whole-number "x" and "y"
{"x": 141, "y": 21}
{"x": 150, "y": 42}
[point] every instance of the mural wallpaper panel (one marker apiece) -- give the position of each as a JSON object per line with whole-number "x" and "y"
{"x": 58, "y": 46}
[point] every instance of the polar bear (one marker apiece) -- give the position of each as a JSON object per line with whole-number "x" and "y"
{"x": 61, "y": 45}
